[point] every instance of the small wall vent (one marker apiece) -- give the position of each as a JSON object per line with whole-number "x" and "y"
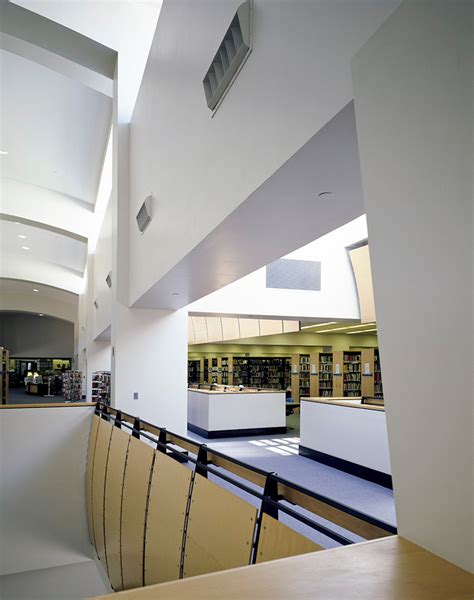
{"x": 108, "y": 280}
{"x": 96, "y": 304}
{"x": 144, "y": 214}
{"x": 230, "y": 56}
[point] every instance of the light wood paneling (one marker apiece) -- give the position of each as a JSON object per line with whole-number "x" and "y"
{"x": 390, "y": 569}
{"x": 367, "y": 381}
{"x": 335, "y": 515}
{"x": 113, "y": 504}
{"x": 134, "y": 501}
{"x": 338, "y": 379}
{"x": 239, "y": 470}
{"x": 295, "y": 377}
{"x": 314, "y": 379}
{"x": 165, "y": 522}
{"x": 98, "y": 487}
{"x": 220, "y": 529}
{"x": 90, "y": 470}
{"x": 280, "y": 541}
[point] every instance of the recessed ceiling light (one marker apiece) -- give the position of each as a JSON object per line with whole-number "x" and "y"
{"x": 40, "y": 315}
{"x": 175, "y": 294}
{"x": 318, "y": 325}
{"x": 360, "y": 332}
{"x": 3, "y": 152}
{"x": 325, "y": 194}
{"x": 22, "y": 237}
{"x": 25, "y": 248}
{"x": 35, "y": 290}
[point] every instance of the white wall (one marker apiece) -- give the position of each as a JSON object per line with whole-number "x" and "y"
{"x": 413, "y": 98}
{"x": 32, "y": 336}
{"x": 99, "y": 358}
{"x": 29, "y": 301}
{"x": 150, "y": 358}
{"x": 43, "y": 491}
{"x": 200, "y": 169}
{"x": 337, "y": 299}
{"x": 102, "y": 316}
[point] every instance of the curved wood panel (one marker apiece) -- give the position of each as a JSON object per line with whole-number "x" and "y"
{"x": 134, "y": 502}
{"x": 167, "y": 504}
{"x": 98, "y": 487}
{"x": 113, "y": 505}
{"x": 277, "y": 540}
{"x": 220, "y": 529}
{"x": 89, "y": 471}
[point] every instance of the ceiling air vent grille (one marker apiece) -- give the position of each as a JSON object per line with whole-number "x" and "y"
{"x": 230, "y": 56}
{"x": 108, "y": 280}
{"x": 144, "y": 214}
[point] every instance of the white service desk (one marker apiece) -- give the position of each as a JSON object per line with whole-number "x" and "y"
{"x": 347, "y": 435}
{"x": 214, "y": 414}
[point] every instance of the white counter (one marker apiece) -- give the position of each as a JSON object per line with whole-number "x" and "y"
{"x": 229, "y": 414}
{"x": 348, "y": 436}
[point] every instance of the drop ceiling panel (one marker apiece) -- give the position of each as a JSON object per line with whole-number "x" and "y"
{"x": 54, "y": 129}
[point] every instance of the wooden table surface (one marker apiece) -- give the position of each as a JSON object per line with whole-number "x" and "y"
{"x": 388, "y": 569}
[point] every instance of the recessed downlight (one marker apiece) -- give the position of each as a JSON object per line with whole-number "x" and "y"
{"x": 40, "y": 315}
{"x": 35, "y": 290}
{"x": 25, "y": 247}
{"x": 175, "y": 294}
{"x": 3, "y": 152}
{"x": 22, "y": 237}
{"x": 325, "y": 194}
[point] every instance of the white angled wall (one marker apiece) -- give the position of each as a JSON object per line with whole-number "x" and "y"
{"x": 102, "y": 316}
{"x": 413, "y": 100}
{"x": 43, "y": 509}
{"x": 150, "y": 359}
{"x": 199, "y": 168}
{"x": 337, "y": 299}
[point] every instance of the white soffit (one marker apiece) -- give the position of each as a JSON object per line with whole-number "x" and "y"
{"x": 126, "y": 26}
{"x": 43, "y": 245}
{"x": 55, "y": 129}
{"x": 206, "y": 330}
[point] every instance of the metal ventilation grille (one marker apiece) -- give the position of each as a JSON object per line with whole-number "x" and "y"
{"x": 232, "y": 52}
{"x": 144, "y": 214}
{"x": 287, "y": 274}
{"x": 108, "y": 279}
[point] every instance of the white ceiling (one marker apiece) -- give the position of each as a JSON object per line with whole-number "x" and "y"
{"x": 127, "y": 26}
{"x": 14, "y": 286}
{"x": 54, "y": 129}
{"x": 43, "y": 245}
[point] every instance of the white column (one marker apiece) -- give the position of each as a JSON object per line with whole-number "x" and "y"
{"x": 413, "y": 99}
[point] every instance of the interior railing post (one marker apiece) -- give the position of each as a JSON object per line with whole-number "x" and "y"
{"x": 118, "y": 419}
{"x": 161, "y": 442}
{"x": 202, "y": 460}
{"x": 270, "y": 493}
{"x": 136, "y": 428}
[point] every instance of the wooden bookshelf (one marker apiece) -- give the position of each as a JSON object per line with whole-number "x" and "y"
{"x": 352, "y": 373}
{"x": 325, "y": 375}
{"x": 337, "y": 373}
{"x": 378, "y": 385}
{"x": 5, "y": 379}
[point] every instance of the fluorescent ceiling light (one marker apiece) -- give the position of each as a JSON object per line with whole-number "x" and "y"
{"x": 363, "y": 331}
{"x": 319, "y": 325}
{"x": 347, "y": 327}
{"x": 25, "y": 247}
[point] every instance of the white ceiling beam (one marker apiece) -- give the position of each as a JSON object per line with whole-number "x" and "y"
{"x": 64, "y": 66}
{"x": 25, "y": 25}
{"x": 54, "y": 211}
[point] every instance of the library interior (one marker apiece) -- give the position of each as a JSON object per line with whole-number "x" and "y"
{"x": 236, "y": 299}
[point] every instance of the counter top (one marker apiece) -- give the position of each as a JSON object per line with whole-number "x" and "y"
{"x": 389, "y": 568}
{"x": 235, "y": 391}
{"x": 348, "y": 402}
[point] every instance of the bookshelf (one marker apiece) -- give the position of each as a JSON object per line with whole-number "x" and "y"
{"x": 325, "y": 375}
{"x": 194, "y": 371}
{"x": 101, "y": 387}
{"x": 304, "y": 376}
{"x": 72, "y": 386}
{"x": 5, "y": 380}
{"x": 352, "y": 373}
{"x": 240, "y": 371}
{"x": 378, "y": 386}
